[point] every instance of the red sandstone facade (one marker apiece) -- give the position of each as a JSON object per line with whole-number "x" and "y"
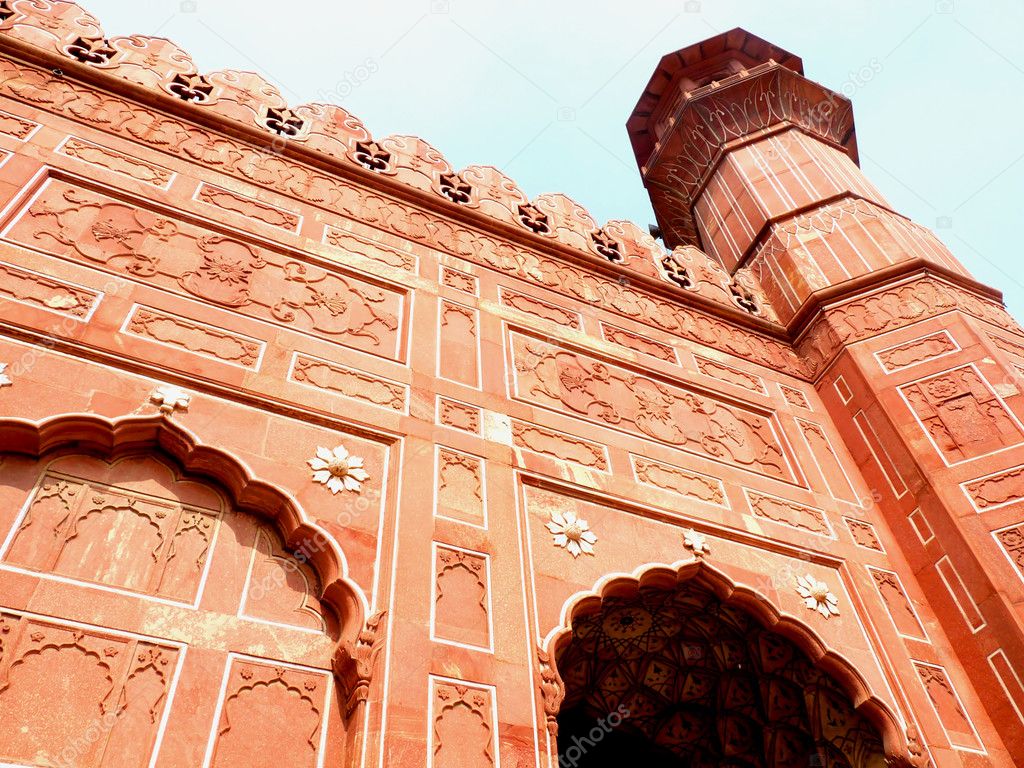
{"x": 319, "y": 452}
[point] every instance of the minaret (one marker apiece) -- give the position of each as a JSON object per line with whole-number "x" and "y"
{"x": 919, "y": 366}
{"x": 748, "y": 159}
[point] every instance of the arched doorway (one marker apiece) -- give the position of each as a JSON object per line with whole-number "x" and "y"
{"x": 672, "y": 675}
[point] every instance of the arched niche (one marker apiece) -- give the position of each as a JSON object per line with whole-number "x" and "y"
{"x": 155, "y": 597}
{"x": 676, "y": 665}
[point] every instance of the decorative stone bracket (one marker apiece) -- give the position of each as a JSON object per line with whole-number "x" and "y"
{"x": 354, "y": 660}
{"x": 552, "y": 690}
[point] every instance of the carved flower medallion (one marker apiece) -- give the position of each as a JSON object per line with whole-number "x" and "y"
{"x": 572, "y": 533}
{"x": 817, "y": 596}
{"x": 338, "y": 469}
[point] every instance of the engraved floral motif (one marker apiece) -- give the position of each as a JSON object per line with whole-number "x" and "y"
{"x": 817, "y": 596}
{"x": 696, "y": 542}
{"x": 338, "y": 469}
{"x": 572, "y": 533}
{"x": 170, "y": 398}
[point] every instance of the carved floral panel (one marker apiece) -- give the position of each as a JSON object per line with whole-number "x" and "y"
{"x": 962, "y": 415}
{"x": 175, "y": 255}
{"x": 917, "y": 351}
{"x": 570, "y": 382}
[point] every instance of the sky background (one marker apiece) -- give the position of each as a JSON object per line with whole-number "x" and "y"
{"x": 542, "y": 90}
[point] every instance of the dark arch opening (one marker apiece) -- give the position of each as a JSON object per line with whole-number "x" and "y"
{"x": 677, "y": 677}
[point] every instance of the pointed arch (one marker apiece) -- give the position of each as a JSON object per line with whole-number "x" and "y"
{"x": 113, "y": 439}
{"x": 900, "y": 751}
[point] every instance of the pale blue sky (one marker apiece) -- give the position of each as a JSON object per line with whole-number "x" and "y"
{"x": 543, "y": 89}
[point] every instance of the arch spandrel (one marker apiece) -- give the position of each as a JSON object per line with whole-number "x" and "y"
{"x": 762, "y": 566}
{"x": 901, "y": 748}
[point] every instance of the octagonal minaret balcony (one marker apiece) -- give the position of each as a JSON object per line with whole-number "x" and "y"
{"x": 749, "y": 160}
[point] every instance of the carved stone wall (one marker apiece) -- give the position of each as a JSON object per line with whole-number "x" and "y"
{"x": 315, "y": 449}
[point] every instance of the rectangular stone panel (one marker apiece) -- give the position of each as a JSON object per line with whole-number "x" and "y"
{"x": 462, "y": 731}
{"x": 794, "y": 397}
{"x": 570, "y": 382}
{"x": 248, "y": 208}
{"x": 1009, "y": 680}
{"x": 544, "y": 310}
{"x": 337, "y": 379}
{"x": 559, "y": 445}
{"x": 920, "y": 525}
{"x": 458, "y": 344}
{"x": 639, "y": 343}
{"x": 880, "y": 455}
{"x": 353, "y": 243}
{"x": 461, "y": 487}
{"x": 92, "y": 532}
{"x": 252, "y": 689}
{"x": 829, "y": 462}
{"x": 458, "y": 280}
{"x": 843, "y": 390}
{"x": 789, "y": 513}
{"x": 16, "y": 127}
{"x": 962, "y": 415}
{"x": 730, "y": 375}
{"x": 960, "y": 594}
{"x": 864, "y": 534}
{"x": 43, "y": 292}
{"x": 116, "y": 162}
{"x": 1011, "y": 541}
{"x": 458, "y": 415}
{"x": 194, "y": 337}
{"x": 176, "y": 255}
{"x": 1007, "y": 345}
{"x": 917, "y": 351}
{"x": 461, "y": 610}
{"x": 684, "y": 482}
{"x": 948, "y": 707}
{"x": 81, "y": 696}
{"x": 897, "y": 603}
{"x": 996, "y": 490}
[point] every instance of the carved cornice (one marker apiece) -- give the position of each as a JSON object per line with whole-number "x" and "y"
{"x": 883, "y": 301}
{"x": 647, "y": 299}
{"x": 325, "y": 164}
